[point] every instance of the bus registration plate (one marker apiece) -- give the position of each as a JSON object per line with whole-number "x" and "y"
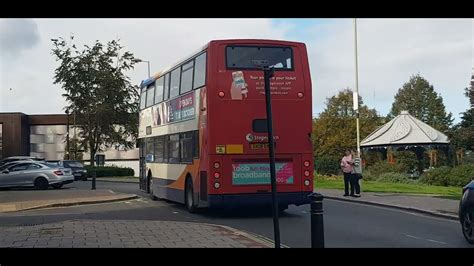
{"x": 256, "y": 146}
{"x": 259, "y": 173}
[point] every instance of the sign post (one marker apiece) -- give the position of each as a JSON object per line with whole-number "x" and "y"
{"x": 268, "y": 73}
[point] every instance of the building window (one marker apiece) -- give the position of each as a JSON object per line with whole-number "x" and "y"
{"x": 200, "y": 71}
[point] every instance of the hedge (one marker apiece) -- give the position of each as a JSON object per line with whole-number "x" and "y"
{"x": 103, "y": 171}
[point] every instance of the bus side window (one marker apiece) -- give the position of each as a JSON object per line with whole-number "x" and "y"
{"x": 166, "y": 86}
{"x": 199, "y": 71}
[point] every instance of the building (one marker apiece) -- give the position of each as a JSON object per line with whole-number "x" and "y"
{"x": 44, "y": 136}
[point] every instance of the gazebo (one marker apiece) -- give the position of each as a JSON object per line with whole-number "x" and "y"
{"x": 408, "y": 133}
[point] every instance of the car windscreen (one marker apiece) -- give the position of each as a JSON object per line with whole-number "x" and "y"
{"x": 73, "y": 164}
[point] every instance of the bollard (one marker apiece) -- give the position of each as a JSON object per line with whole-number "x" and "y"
{"x": 93, "y": 180}
{"x": 317, "y": 225}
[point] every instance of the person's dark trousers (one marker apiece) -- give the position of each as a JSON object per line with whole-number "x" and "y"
{"x": 347, "y": 181}
{"x": 355, "y": 184}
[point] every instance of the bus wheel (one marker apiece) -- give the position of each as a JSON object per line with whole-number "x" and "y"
{"x": 150, "y": 188}
{"x": 188, "y": 196}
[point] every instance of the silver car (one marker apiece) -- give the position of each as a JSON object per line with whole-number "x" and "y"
{"x": 37, "y": 174}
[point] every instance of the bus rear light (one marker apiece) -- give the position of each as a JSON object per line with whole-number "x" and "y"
{"x": 300, "y": 95}
{"x": 217, "y": 165}
{"x": 306, "y": 163}
{"x": 306, "y": 173}
{"x": 306, "y": 182}
{"x": 217, "y": 175}
{"x": 217, "y": 185}
{"x": 221, "y": 94}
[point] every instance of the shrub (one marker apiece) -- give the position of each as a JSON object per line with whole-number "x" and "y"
{"x": 461, "y": 175}
{"x": 328, "y": 177}
{"x": 103, "y": 171}
{"x": 395, "y": 178}
{"x": 382, "y": 167}
{"x": 326, "y": 165}
{"x": 437, "y": 176}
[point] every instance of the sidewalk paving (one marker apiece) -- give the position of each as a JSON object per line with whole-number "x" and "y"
{"x": 427, "y": 204}
{"x": 19, "y": 200}
{"x": 116, "y": 179}
{"x": 128, "y": 234}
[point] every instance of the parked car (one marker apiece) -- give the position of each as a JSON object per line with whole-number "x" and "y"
{"x": 466, "y": 212}
{"x": 19, "y": 158}
{"x": 77, "y": 168}
{"x": 37, "y": 174}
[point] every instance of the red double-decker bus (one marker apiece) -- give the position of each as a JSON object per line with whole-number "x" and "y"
{"x": 203, "y": 132}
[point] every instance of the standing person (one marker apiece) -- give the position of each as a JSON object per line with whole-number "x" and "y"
{"x": 346, "y": 166}
{"x": 356, "y": 174}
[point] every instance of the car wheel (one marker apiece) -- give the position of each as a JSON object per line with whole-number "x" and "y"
{"x": 468, "y": 225}
{"x": 188, "y": 196}
{"x": 56, "y": 186}
{"x": 41, "y": 183}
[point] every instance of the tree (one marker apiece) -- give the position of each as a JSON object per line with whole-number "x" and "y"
{"x": 462, "y": 134}
{"x": 98, "y": 91}
{"x": 335, "y": 128}
{"x": 419, "y": 98}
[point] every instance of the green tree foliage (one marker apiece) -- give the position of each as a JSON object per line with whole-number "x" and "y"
{"x": 419, "y": 98}
{"x": 99, "y": 92}
{"x": 335, "y": 128}
{"x": 462, "y": 134}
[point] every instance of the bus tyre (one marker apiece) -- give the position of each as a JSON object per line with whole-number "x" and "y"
{"x": 188, "y": 196}
{"x": 41, "y": 183}
{"x": 150, "y": 188}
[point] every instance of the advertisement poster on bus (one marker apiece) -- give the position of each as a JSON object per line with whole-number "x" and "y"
{"x": 259, "y": 173}
{"x": 178, "y": 109}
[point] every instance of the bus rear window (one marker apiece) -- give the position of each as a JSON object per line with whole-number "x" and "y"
{"x": 255, "y": 57}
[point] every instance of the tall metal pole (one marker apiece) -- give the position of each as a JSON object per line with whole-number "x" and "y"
{"x": 268, "y": 73}
{"x": 356, "y": 85}
{"x": 149, "y": 75}
{"x": 75, "y": 140}
{"x": 67, "y": 137}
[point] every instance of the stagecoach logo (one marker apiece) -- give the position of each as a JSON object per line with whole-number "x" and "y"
{"x": 255, "y": 138}
{"x": 249, "y": 137}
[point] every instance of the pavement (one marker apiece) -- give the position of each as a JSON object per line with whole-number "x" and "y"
{"x": 117, "y": 180}
{"x": 440, "y": 207}
{"x": 128, "y": 234}
{"x": 27, "y": 199}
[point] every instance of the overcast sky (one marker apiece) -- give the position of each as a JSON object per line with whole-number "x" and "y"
{"x": 390, "y": 51}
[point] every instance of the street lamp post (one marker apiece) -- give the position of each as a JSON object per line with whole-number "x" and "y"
{"x": 148, "y": 62}
{"x": 67, "y": 136}
{"x": 356, "y": 96}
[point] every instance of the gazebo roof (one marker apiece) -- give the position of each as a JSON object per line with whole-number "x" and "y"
{"x": 404, "y": 130}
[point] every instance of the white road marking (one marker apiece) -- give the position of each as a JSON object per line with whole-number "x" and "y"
{"x": 427, "y": 239}
{"x": 175, "y": 212}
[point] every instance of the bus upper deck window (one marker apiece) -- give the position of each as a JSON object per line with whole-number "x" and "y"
{"x": 247, "y": 57}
